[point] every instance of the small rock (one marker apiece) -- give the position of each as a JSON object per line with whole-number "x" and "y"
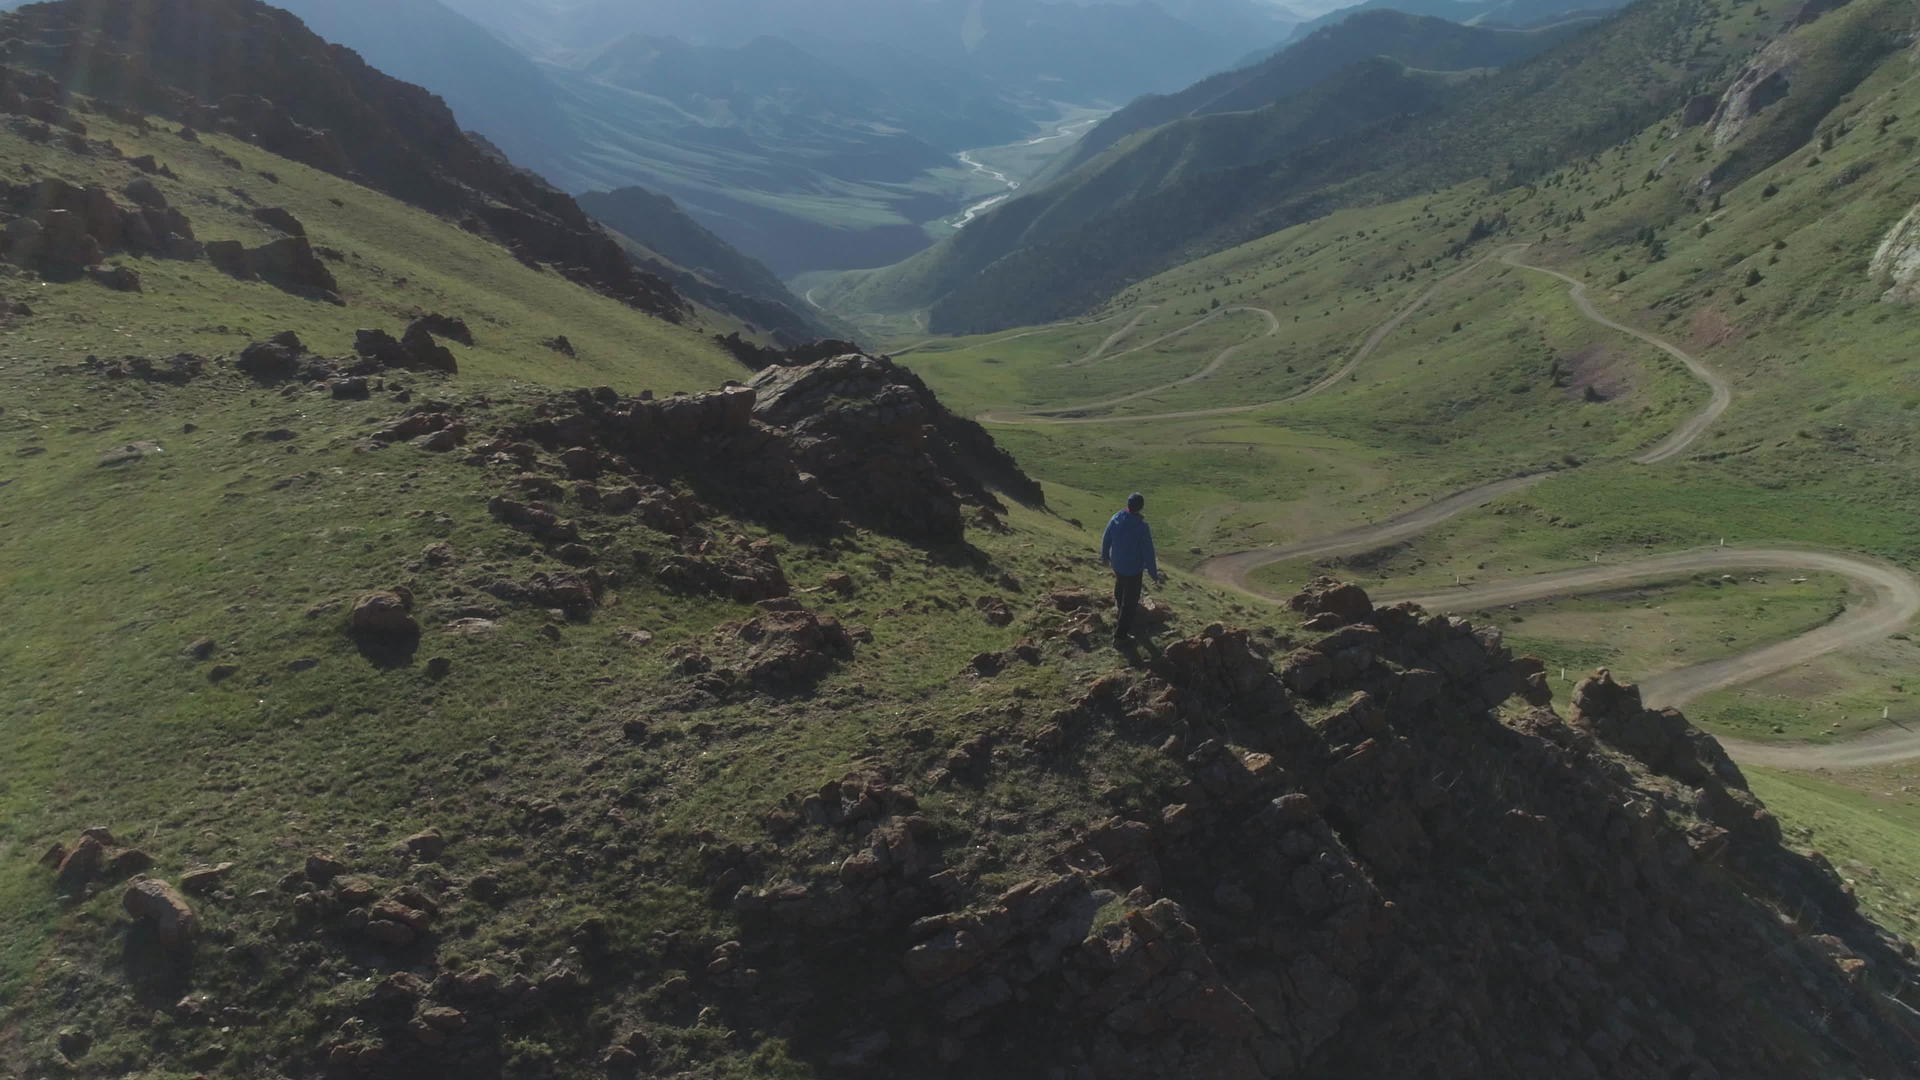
{"x": 204, "y": 879}
{"x": 427, "y": 845}
{"x": 131, "y": 452}
{"x": 222, "y": 672}
{"x": 74, "y": 1043}
{"x": 117, "y": 278}
{"x": 127, "y": 862}
{"x": 79, "y": 866}
{"x": 202, "y": 648}
{"x": 439, "y": 667}
{"x": 322, "y": 868}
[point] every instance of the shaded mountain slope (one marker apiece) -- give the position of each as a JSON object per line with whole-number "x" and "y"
{"x": 489, "y": 85}
{"x": 1418, "y": 41}
{"x": 703, "y": 266}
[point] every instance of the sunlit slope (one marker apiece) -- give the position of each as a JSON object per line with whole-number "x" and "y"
{"x": 394, "y": 262}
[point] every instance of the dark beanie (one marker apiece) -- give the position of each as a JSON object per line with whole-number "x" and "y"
{"x": 1136, "y": 501}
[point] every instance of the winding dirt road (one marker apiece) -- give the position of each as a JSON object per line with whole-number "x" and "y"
{"x": 1893, "y": 601}
{"x": 1070, "y": 414}
{"x": 1893, "y": 595}
{"x": 1684, "y": 435}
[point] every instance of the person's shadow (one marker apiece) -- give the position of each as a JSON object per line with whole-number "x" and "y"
{"x": 1141, "y": 650}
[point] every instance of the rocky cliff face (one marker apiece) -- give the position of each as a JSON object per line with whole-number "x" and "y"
{"x": 256, "y": 72}
{"x": 1896, "y": 263}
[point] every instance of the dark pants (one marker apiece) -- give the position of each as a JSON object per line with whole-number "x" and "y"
{"x": 1126, "y": 601}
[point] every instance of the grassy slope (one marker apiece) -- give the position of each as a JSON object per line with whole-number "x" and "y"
{"x": 110, "y": 572}
{"x": 398, "y": 261}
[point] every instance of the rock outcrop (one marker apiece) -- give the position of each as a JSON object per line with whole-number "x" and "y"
{"x": 62, "y": 230}
{"x": 850, "y": 440}
{"x": 1767, "y": 79}
{"x": 1362, "y": 867}
{"x": 1896, "y": 263}
{"x": 288, "y": 263}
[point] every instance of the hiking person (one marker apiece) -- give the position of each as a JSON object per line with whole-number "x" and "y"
{"x": 1127, "y": 547}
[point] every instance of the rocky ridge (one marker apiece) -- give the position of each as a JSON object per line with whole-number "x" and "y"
{"x": 1363, "y": 867}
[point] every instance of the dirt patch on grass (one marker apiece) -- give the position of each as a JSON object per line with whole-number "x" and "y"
{"x": 1597, "y": 373}
{"x": 1709, "y": 328}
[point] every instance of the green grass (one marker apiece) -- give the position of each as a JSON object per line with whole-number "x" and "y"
{"x": 1647, "y": 630}
{"x": 1871, "y": 839}
{"x": 397, "y": 261}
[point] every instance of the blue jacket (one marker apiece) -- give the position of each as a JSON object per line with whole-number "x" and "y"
{"x": 1128, "y": 544}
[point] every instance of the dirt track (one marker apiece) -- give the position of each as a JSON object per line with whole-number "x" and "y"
{"x": 1686, "y": 434}
{"x": 1893, "y": 602}
{"x": 1069, "y": 414}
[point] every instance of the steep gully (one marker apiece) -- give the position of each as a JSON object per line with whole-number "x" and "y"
{"x": 1893, "y": 595}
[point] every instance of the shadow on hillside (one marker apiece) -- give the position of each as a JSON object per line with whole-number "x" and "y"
{"x": 158, "y": 974}
{"x": 388, "y": 651}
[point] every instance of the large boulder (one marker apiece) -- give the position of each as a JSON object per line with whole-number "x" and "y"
{"x": 276, "y": 217}
{"x": 155, "y": 902}
{"x": 383, "y": 614}
{"x": 446, "y": 326}
{"x": 424, "y": 352}
{"x": 1332, "y": 603}
{"x": 271, "y": 361}
{"x": 290, "y": 264}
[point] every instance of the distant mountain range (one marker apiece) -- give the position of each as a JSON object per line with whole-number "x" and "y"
{"x": 812, "y": 136}
{"x": 1509, "y": 13}
{"x": 1426, "y": 43}
{"x": 1380, "y": 126}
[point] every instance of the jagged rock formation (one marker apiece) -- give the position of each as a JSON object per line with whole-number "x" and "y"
{"x": 256, "y": 72}
{"x": 854, "y": 439}
{"x": 1896, "y": 263}
{"x": 1358, "y": 869}
{"x": 61, "y": 230}
{"x": 1765, "y": 80}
